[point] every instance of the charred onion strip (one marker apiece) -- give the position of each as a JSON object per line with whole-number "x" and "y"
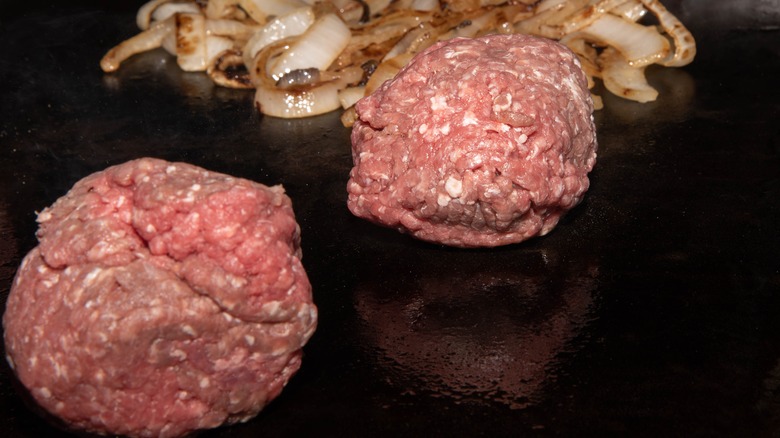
{"x": 228, "y": 70}
{"x": 149, "y": 39}
{"x": 306, "y": 57}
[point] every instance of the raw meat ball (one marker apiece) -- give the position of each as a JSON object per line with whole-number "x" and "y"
{"x": 476, "y": 142}
{"x": 162, "y": 298}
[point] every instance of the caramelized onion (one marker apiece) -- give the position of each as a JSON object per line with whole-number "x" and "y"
{"x": 640, "y": 45}
{"x": 143, "y": 17}
{"x": 318, "y": 47}
{"x": 304, "y": 57}
{"x": 305, "y": 98}
{"x": 170, "y": 8}
{"x": 684, "y": 44}
{"x": 228, "y": 70}
{"x": 147, "y": 40}
{"x": 291, "y": 24}
{"x": 191, "y": 42}
{"x": 624, "y": 80}
{"x": 632, "y": 10}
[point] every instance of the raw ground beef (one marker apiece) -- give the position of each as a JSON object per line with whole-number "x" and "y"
{"x": 476, "y": 142}
{"x": 162, "y": 298}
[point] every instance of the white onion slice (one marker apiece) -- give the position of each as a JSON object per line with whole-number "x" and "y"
{"x": 169, "y": 9}
{"x": 386, "y": 71}
{"x": 684, "y": 43}
{"x": 316, "y": 48}
{"x": 294, "y": 23}
{"x": 624, "y": 80}
{"x": 311, "y": 101}
{"x": 415, "y": 40}
{"x": 191, "y": 42}
{"x": 215, "y": 46}
{"x": 350, "y": 95}
{"x": 587, "y": 15}
{"x": 547, "y": 14}
{"x": 632, "y": 10}
{"x": 144, "y": 41}
{"x": 143, "y": 17}
{"x": 640, "y": 45}
{"x": 378, "y": 6}
{"x": 545, "y": 5}
{"x": 351, "y": 11}
{"x": 386, "y": 28}
{"x": 216, "y": 9}
{"x": 425, "y": 5}
{"x": 230, "y": 28}
{"x": 260, "y": 10}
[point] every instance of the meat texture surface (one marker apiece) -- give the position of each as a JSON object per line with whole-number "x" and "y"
{"x": 162, "y": 298}
{"x": 476, "y": 142}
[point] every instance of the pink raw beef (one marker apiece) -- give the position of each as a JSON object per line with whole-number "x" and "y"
{"x": 476, "y": 142}
{"x": 162, "y": 299}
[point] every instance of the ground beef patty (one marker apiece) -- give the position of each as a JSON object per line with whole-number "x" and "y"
{"x": 162, "y": 298}
{"x": 476, "y": 142}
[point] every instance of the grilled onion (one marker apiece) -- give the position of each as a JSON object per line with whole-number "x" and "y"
{"x": 304, "y": 57}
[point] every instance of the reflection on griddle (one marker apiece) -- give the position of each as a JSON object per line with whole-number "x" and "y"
{"x": 481, "y": 332}
{"x": 157, "y": 66}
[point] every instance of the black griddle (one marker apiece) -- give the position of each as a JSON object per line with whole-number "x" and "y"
{"x": 653, "y": 309}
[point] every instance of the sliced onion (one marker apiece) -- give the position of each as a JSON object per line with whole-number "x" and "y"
{"x": 305, "y": 101}
{"x": 376, "y": 7}
{"x": 215, "y": 46}
{"x": 640, "y": 45}
{"x": 393, "y": 25}
{"x": 216, "y": 9}
{"x": 170, "y": 8}
{"x": 317, "y": 48}
{"x": 425, "y": 5}
{"x": 260, "y": 10}
{"x": 623, "y": 79}
{"x": 501, "y": 19}
{"x": 587, "y": 55}
{"x": 191, "y": 52}
{"x": 352, "y": 11}
{"x": 684, "y": 43}
{"x": 292, "y": 24}
{"x": 350, "y": 95}
{"x": 581, "y": 18}
{"x": 332, "y": 37}
{"x": 546, "y": 5}
{"x": 228, "y": 70}
{"x": 143, "y": 17}
{"x": 386, "y": 71}
{"x": 348, "y": 117}
{"x": 632, "y": 10}
{"x": 236, "y": 30}
{"x": 463, "y": 5}
{"x": 547, "y": 14}
{"x": 144, "y": 41}
{"x": 415, "y": 40}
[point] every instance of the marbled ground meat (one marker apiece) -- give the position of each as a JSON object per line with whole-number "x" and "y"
{"x": 162, "y": 299}
{"x": 476, "y": 142}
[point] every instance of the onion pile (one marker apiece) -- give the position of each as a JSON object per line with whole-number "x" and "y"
{"x": 309, "y": 57}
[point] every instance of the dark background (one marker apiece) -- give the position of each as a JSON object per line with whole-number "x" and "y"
{"x": 652, "y": 310}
